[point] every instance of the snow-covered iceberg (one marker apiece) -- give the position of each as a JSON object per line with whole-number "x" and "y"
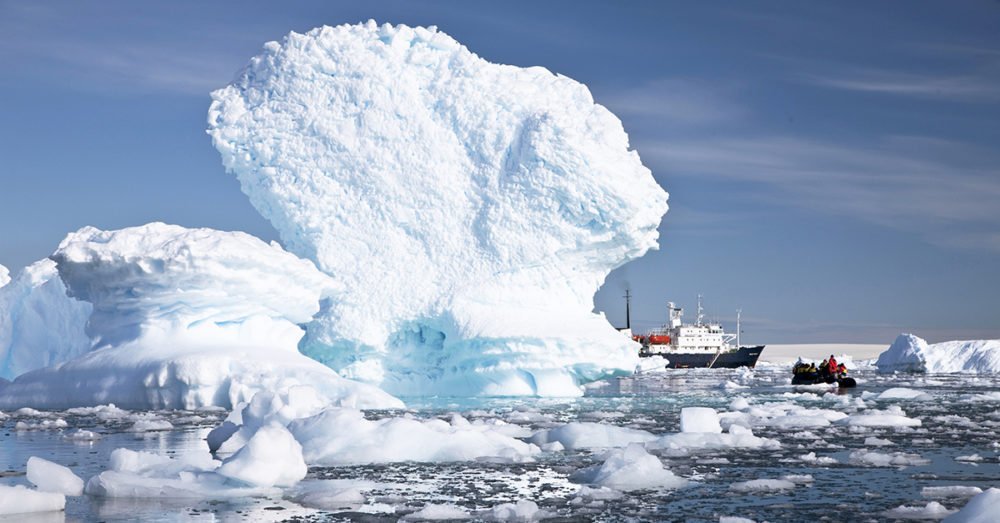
{"x": 470, "y": 210}
{"x": 39, "y": 324}
{"x": 184, "y": 318}
{"x": 910, "y": 353}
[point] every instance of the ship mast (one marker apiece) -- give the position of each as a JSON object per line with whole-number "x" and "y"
{"x": 738, "y": 329}
{"x": 628, "y": 310}
{"x": 701, "y": 311}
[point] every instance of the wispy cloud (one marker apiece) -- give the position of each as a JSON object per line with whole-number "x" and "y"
{"x": 110, "y": 57}
{"x": 134, "y": 68}
{"x": 947, "y": 71}
{"x": 677, "y": 101}
{"x": 944, "y": 191}
{"x": 973, "y": 87}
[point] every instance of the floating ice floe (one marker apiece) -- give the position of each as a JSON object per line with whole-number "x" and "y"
{"x": 184, "y": 318}
{"x": 891, "y": 417}
{"x": 881, "y": 459}
{"x": 82, "y": 435}
{"x": 22, "y": 500}
{"x": 464, "y": 207}
{"x": 53, "y": 477}
{"x": 583, "y": 435}
{"x": 523, "y": 510}
{"x": 271, "y": 457}
{"x": 434, "y": 512}
{"x": 933, "y": 511}
{"x": 762, "y": 485}
{"x": 340, "y": 436}
{"x": 630, "y": 468}
{"x": 981, "y": 509}
{"x": 146, "y": 475}
{"x": 331, "y": 494}
{"x": 782, "y": 415}
{"x": 652, "y": 364}
{"x": 700, "y": 419}
{"x": 817, "y": 460}
{"x": 46, "y": 424}
{"x": 902, "y": 393}
{"x": 950, "y": 492}
{"x": 908, "y": 353}
{"x": 872, "y": 441}
{"x": 737, "y": 437}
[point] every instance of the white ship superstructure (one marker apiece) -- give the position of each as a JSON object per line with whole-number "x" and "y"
{"x": 702, "y": 344}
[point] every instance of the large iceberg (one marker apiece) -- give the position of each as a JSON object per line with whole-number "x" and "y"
{"x": 909, "y": 353}
{"x": 185, "y": 318}
{"x": 469, "y": 210}
{"x": 39, "y": 324}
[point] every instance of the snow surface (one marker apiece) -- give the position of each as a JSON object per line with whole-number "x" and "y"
{"x": 39, "y": 324}
{"x": 909, "y": 353}
{"x": 185, "y": 318}
{"x": 468, "y": 210}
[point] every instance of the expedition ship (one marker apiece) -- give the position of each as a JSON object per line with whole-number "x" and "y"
{"x": 699, "y": 345}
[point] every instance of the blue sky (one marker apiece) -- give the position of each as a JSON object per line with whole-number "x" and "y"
{"x": 833, "y": 167}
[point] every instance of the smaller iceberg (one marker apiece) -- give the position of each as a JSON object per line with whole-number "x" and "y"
{"x": 186, "y": 318}
{"x": 39, "y": 325}
{"x": 910, "y": 353}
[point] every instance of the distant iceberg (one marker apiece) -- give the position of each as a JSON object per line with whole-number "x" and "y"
{"x": 910, "y": 353}
{"x": 185, "y": 318}
{"x": 468, "y": 210}
{"x": 39, "y": 324}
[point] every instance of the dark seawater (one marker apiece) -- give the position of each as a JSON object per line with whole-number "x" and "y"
{"x": 960, "y": 417}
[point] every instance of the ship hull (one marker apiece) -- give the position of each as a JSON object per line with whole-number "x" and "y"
{"x": 744, "y": 357}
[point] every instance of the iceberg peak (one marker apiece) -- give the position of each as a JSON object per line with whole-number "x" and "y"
{"x": 466, "y": 208}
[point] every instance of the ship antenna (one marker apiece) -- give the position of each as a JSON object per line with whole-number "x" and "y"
{"x": 738, "y": 313}
{"x": 628, "y": 310}
{"x": 700, "y": 310}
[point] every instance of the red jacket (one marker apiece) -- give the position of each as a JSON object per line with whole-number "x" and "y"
{"x": 833, "y": 365}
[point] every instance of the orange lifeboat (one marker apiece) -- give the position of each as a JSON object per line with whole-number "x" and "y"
{"x": 659, "y": 339}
